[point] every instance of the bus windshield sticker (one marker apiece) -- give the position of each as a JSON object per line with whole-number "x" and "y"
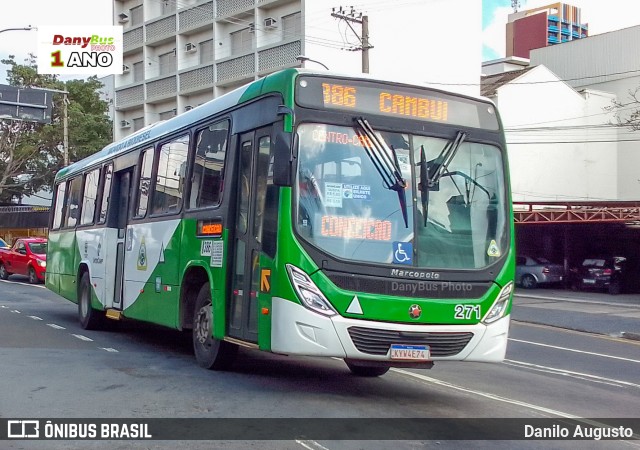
{"x": 356, "y": 191}
{"x": 403, "y": 253}
{"x": 333, "y": 195}
{"x": 217, "y": 253}
{"x": 353, "y": 227}
{"x": 493, "y": 249}
{"x": 205, "y": 248}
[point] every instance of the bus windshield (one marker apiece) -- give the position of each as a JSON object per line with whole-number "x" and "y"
{"x": 456, "y": 211}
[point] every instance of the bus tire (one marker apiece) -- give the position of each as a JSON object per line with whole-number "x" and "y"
{"x": 367, "y": 371}
{"x": 4, "y": 273}
{"x": 210, "y": 353}
{"x": 90, "y": 319}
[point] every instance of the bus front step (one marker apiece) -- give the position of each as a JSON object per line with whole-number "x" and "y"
{"x": 113, "y": 314}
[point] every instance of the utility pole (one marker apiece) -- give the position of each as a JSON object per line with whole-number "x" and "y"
{"x": 353, "y": 16}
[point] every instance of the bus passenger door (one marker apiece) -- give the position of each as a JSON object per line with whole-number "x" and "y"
{"x": 253, "y": 169}
{"x": 122, "y": 194}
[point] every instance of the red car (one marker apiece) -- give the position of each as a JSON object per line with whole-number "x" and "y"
{"x": 28, "y": 257}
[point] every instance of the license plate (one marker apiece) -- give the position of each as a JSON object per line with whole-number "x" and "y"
{"x": 588, "y": 281}
{"x": 410, "y": 352}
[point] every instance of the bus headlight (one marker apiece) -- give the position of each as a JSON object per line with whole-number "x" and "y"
{"x": 41, "y": 262}
{"x": 500, "y": 305}
{"x": 309, "y": 293}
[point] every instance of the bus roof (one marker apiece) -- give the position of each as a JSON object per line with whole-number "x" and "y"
{"x": 281, "y": 81}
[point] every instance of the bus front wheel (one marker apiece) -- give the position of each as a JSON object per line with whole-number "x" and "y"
{"x": 90, "y": 319}
{"x": 210, "y": 353}
{"x": 366, "y": 371}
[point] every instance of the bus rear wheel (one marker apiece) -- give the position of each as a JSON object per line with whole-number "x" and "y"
{"x": 90, "y": 319}
{"x": 210, "y": 353}
{"x": 366, "y": 371}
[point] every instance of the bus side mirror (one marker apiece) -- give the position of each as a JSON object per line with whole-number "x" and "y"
{"x": 282, "y": 159}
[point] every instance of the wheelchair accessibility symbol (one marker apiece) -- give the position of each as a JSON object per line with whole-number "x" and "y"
{"x": 402, "y": 253}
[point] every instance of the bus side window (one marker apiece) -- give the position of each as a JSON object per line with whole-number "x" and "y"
{"x": 172, "y": 166}
{"x": 58, "y": 207}
{"x": 145, "y": 182}
{"x": 89, "y": 198}
{"x": 106, "y": 193}
{"x": 73, "y": 203}
{"x": 208, "y": 168}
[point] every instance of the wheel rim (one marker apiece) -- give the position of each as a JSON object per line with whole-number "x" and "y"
{"x": 3, "y": 271}
{"x": 203, "y": 324}
{"x": 32, "y": 276}
{"x": 527, "y": 282}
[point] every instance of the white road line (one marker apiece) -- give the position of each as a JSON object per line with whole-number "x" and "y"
{"x": 34, "y": 317}
{"x": 311, "y": 445}
{"x": 109, "y": 349}
{"x": 57, "y": 327}
{"x": 485, "y": 394}
{"x": 575, "y": 350}
{"x": 3, "y": 306}
{"x": 82, "y": 338}
{"x": 581, "y": 375}
{"x": 15, "y": 311}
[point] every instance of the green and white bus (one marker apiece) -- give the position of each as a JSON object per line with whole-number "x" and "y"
{"x": 305, "y": 213}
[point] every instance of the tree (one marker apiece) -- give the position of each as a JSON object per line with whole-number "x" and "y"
{"x": 31, "y": 153}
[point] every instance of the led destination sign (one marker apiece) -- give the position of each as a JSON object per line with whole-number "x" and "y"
{"x": 369, "y": 97}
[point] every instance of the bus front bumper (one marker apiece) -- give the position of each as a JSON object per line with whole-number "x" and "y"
{"x": 295, "y": 330}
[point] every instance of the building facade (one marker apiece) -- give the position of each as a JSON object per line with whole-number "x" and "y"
{"x": 179, "y": 54}
{"x": 561, "y": 146}
{"x": 544, "y": 26}
{"x": 608, "y": 62}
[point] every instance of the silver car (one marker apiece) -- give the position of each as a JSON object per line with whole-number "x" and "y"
{"x": 534, "y": 271}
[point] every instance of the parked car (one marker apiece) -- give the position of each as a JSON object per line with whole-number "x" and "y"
{"x": 28, "y": 256}
{"x": 534, "y": 271}
{"x": 600, "y": 273}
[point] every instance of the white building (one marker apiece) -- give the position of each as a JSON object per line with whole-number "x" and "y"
{"x": 560, "y": 145}
{"x": 181, "y": 53}
{"x": 607, "y": 62}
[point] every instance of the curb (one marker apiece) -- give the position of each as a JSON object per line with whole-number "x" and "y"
{"x": 620, "y": 335}
{"x": 575, "y": 300}
{"x": 631, "y": 336}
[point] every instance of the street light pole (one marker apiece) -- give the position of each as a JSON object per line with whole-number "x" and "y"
{"x": 303, "y": 59}
{"x": 18, "y": 29}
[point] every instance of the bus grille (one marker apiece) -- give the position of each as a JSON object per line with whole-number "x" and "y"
{"x": 378, "y": 342}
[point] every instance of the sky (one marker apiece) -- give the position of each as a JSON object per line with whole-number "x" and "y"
{"x": 601, "y": 16}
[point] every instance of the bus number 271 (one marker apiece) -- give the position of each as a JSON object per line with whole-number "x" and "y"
{"x": 466, "y": 312}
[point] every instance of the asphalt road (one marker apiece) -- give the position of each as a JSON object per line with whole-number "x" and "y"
{"x": 50, "y": 367}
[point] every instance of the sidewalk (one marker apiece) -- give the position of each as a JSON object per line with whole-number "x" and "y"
{"x": 592, "y": 312}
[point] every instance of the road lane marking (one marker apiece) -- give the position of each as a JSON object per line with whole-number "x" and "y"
{"x": 57, "y": 327}
{"x": 3, "y": 306}
{"x": 24, "y": 284}
{"x": 34, "y": 317}
{"x": 311, "y": 445}
{"x": 485, "y": 394}
{"x": 82, "y": 338}
{"x": 575, "y": 350}
{"x": 109, "y": 349}
{"x": 15, "y": 311}
{"x": 584, "y": 376}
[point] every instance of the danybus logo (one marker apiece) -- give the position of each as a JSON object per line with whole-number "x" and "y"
{"x": 81, "y": 50}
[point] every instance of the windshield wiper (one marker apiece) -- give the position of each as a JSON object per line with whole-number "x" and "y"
{"x": 438, "y": 166}
{"x": 388, "y": 168}
{"x": 431, "y": 172}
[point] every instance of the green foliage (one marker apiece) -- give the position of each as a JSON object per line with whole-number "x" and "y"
{"x": 31, "y": 153}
